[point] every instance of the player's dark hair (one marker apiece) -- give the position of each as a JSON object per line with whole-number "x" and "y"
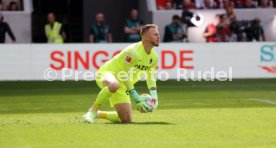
{"x": 146, "y": 28}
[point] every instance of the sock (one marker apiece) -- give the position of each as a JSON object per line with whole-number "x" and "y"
{"x": 103, "y": 96}
{"x": 111, "y": 116}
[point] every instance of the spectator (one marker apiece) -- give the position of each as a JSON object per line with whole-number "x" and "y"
{"x": 232, "y": 37}
{"x": 256, "y": 32}
{"x": 1, "y": 7}
{"x": 163, "y": 4}
{"x": 133, "y": 26}
{"x": 160, "y": 4}
{"x": 13, "y": 6}
{"x": 5, "y": 27}
{"x": 211, "y": 30}
{"x": 187, "y": 16}
{"x": 178, "y": 4}
{"x": 265, "y": 4}
{"x": 174, "y": 32}
{"x": 238, "y": 3}
{"x": 228, "y": 6}
{"x": 218, "y": 4}
{"x": 233, "y": 29}
{"x": 54, "y": 30}
{"x": 188, "y": 4}
{"x": 168, "y": 5}
{"x": 249, "y": 4}
{"x": 100, "y": 32}
{"x": 208, "y": 4}
{"x": 204, "y": 4}
{"x": 223, "y": 28}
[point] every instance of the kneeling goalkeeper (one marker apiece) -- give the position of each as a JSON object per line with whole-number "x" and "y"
{"x": 136, "y": 58}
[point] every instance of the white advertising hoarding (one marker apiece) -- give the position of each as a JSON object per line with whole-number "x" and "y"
{"x": 243, "y": 60}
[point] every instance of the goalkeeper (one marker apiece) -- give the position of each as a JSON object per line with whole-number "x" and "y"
{"x": 134, "y": 59}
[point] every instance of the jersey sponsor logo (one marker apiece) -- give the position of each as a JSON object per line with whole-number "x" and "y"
{"x": 142, "y": 67}
{"x": 128, "y": 59}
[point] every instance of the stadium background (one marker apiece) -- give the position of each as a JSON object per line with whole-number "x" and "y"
{"x": 80, "y": 15}
{"x": 39, "y": 113}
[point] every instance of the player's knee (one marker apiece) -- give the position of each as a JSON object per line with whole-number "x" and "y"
{"x": 106, "y": 82}
{"x": 126, "y": 119}
{"x": 113, "y": 86}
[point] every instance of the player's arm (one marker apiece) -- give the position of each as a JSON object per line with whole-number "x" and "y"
{"x": 151, "y": 83}
{"x": 130, "y": 59}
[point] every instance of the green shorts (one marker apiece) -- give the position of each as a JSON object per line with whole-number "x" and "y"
{"x": 120, "y": 96}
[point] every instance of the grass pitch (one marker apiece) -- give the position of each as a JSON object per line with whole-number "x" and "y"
{"x": 241, "y": 113}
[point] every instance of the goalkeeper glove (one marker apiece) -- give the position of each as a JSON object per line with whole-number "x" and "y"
{"x": 140, "y": 103}
{"x": 143, "y": 107}
{"x": 135, "y": 96}
{"x": 153, "y": 93}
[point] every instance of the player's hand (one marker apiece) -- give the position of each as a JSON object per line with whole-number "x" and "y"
{"x": 142, "y": 107}
{"x": 153, "y": 93}
{"x": 135, "y": 96}
{"x": 155, "y": 105}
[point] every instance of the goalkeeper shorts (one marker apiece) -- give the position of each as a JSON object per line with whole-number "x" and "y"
{"x": 120, "y": 96}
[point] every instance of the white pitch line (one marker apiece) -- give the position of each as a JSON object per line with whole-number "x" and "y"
{"x": 262, "y": 100}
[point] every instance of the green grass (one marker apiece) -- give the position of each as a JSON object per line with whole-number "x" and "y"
{"x": 191, "y": 114}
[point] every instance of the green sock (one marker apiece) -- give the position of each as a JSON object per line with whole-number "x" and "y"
{"x": 103, "y": 96}
{"x": 111, "y": 116}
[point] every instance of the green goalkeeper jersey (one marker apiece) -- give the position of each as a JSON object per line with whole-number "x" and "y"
{"x": 134, "y": 62}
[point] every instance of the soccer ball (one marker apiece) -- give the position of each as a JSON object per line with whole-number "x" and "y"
{"x": 149, "y": 101}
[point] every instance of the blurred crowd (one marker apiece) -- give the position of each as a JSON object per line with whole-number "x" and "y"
{"x": 214, "y": 4}
{"x": 99, "y": 32}
{"x": 229, "y": 29}
{"x": 8, "y": 5}
{"x": 225, "y": 28}
{"x": 11, "y": 5}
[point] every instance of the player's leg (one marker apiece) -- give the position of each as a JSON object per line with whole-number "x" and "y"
{"x": 122, "y": 114}
{"x": 109, "y": 85}
{"x": 109, "y": 115}
{"x": 121, "y": 102}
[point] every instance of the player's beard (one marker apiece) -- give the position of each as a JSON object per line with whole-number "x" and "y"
{"x": 156, "y": 44}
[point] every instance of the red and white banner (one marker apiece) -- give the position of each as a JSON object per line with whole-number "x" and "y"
{"x": 246, "y": 60}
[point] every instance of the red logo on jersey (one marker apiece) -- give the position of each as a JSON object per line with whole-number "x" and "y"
{"x": 128, "y": 59}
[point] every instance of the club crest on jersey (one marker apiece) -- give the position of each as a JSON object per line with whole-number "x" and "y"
{"x": 128, "y": 59}
{"x": 150, "y": 61}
